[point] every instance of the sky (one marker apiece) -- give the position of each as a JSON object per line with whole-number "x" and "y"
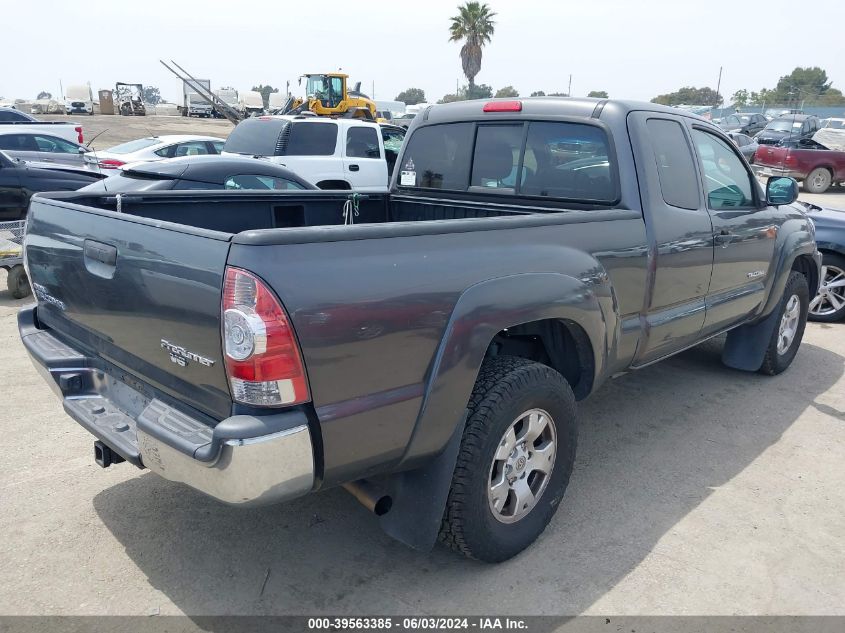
{"x": 632, "y": 50}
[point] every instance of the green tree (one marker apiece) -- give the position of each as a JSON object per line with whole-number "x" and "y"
{"x": 152, "y": 95}
{"x": 740, "y": 98}
{"x": 538, "y": 93}
{"x": 44, "y": 95}
{"x": 265, "y": 93}
{"x": 474, "y": 26}
{"x": 810, "y": 86}
{"x": 507, "y": 91}
{"x": 411, "y": 96}
{"x": 689, "y": 95}
{"x": 598, "y": 94}
{"x": 465, "y": 93}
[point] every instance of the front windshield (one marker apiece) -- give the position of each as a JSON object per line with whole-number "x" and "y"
{"x": 784, "y": 125}
{"x": 328, "y": 90}
{"x": 133, "y": 146}
{"x": 745, "y": 119}
{"x": 836, "y": 124}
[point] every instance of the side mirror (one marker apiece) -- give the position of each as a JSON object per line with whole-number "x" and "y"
{"x": 781, "y": 190}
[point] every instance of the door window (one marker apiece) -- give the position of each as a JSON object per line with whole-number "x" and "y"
{"x": 216, "y": 146}
{"x": 192, "y": 148}
{"x": 312, "y": 139}
{"x": 18, "y": 142}
{"x": 675, "y": 166}
{"x": 362, "y": 142}
{"x": 726, "y": 180}
{"x": 55, "y": 145}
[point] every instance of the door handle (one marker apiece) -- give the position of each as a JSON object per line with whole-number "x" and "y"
{"x": 100, "y": 259}
{"x": 724, "y": 237}
{"x": 354, "y": 168}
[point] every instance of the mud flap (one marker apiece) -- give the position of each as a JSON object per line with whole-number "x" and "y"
{"x": 419, "y": 497}
{"x": 746, "y": 345}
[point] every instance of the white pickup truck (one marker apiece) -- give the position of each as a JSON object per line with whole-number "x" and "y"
{"x": 328, "y": 153}
{"x": 26, "y": 123}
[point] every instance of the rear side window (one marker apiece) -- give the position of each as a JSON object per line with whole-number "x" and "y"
{"x": 675, "y": 167}
{"x": 438, "y": 157}
{"x": 256, "y": 137}
{"x": 362, "y": 142}
{"x": 312, "y": 139}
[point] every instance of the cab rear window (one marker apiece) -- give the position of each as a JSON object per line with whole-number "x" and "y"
{"x": 565, "y": 161}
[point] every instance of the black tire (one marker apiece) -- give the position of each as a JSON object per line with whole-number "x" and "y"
{"x": 817, "y": 181}
{"x": 505, "y": 388}
{"x": 837, "y": 262}
{"x": 775, "y": 362}
{"x": 17, "y": 282}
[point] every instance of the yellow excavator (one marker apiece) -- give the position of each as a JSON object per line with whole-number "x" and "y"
{"x": 326, "y": 94}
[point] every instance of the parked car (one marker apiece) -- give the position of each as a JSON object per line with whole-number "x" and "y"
{"x": 42, "y": 147}
{"x": 329, "y": 153}
{"x": 829, "y": 303}
{"x": 787, "y": 128}
{"x": 11, "y": 118}
{"x": 403, "y": 120}
{"x": 833, "y": 123}
{"x": 745, "y": 122}
{"x": 155, "y": 148}
{"x": 425, "y": 347}
{"x": 20, "y": 179}
{"x": 806, "y": 160}
{"x": 201, "y": 172}
{"x": 79, "y": 100}
{"x": 747, "y": 145}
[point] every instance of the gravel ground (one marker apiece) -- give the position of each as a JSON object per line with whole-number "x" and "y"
{"x": 697, "y": 490}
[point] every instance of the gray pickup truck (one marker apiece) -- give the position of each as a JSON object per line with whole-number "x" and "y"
{"x": 424, "y": 348}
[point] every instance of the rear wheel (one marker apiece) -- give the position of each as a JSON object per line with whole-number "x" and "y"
{"x": 515, "y": 459}
{"x": 17, "y": 282}
{"x": 817, "y": 181}
{"x": 786, "y": 339}
{"x": 829, "y": 304}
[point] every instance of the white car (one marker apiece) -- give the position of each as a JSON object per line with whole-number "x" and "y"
{"x": 155, "y": 148}
{"x": 328, "y": 153}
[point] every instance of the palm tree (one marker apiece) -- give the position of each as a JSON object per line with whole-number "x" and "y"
{"x": 475, "y": 25}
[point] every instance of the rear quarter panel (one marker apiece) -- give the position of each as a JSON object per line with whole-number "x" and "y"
{"x": 371, "y": 316}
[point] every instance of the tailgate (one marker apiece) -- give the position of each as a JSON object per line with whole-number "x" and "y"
{"x": 144, "y": 295}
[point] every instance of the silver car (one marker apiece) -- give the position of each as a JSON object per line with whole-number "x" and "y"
{"x": 43, "y": 148}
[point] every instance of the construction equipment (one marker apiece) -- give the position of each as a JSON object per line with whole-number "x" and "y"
{"x": 191, "y": 82}
{"x": 326, "y": 95}
{"x": 130, "y": 99}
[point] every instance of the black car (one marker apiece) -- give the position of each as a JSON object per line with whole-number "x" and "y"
{"x": 791, "y": 126}
{"x": 744, "y": 123}
{"x": 19, "y": 180}
{"x": 202, "y": 172}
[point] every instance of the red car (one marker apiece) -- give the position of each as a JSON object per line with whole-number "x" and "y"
{"x": 816, "y": 166}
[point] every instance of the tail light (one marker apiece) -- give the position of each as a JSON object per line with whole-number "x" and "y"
{"x": 110, "y": 163}
{"x": 262, "y": 356}
{"x": 79, "y": 137}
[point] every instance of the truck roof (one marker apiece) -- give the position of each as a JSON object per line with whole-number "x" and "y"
{"x": 584, "y": 107}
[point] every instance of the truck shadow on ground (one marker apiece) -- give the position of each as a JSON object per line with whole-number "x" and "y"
{"x": 653, "y": 446}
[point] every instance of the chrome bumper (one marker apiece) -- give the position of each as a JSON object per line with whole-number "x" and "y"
{"x": 250, "y": 471}
{"x": 243, "y": 460}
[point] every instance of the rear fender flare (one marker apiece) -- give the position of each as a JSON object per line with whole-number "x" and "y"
{"x": 483, "y": 311}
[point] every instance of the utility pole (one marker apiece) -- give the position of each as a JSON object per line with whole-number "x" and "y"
{"x": 718, "y": 85}
{"x": 569, "y": 90}
{"x": 374, "y": 89}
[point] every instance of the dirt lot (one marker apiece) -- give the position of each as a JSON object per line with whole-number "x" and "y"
{"x": 111, "y": 130}
{"x": 697, "y": 490}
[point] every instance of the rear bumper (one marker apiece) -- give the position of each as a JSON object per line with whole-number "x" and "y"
{"x": 243, "y": 460}
{"x": 765, "y": 171}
